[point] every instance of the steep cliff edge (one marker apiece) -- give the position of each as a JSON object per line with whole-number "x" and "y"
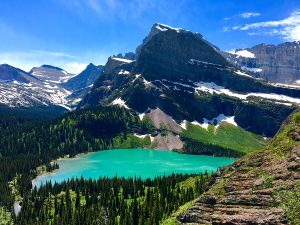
{"x": 274, "y": 63}
{"x": 260, "y": 188}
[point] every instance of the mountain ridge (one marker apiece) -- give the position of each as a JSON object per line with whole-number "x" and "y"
{"x": 174, "y": 78}
{"x": 275, "y": 63}
{"x": 43, "y": 86}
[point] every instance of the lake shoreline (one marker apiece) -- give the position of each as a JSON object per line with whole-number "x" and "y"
{"x": 89, "y": 155}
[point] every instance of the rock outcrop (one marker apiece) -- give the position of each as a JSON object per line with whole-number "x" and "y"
{"x": 250, "y": 190}
{"x": 279, "y": 64}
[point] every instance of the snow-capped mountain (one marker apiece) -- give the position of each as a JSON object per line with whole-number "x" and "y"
{"x": 182, "y": 75}
{"x": 274, "y": 63}
{"x": 42, "y": 87}
{"x": 51, "y": 74}
{"x": 9, "y": 73}
{"x": 174, "y": 72}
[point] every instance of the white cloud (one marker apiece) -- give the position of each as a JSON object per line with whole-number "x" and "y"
{"x": 75, "y": 67}
{"x": 108, "y": 10}
{"x": 244, "y": 15}
{"x": 247, "y": 15}
{"x": 288, "y": 28}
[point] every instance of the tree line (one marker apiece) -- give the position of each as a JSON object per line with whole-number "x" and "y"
{"x": 25, "y": 145}
{"x": 110, "y": 201}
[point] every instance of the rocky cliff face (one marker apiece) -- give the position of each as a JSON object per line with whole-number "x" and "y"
{"x": 280, "y": 64}
{"x": 86, "y": 78}
{"x": 261, "y": 188}
{"x": 185, "y": 76}
{"x": 51, "y": 74}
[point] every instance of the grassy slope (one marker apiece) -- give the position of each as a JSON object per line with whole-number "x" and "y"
{"x": 132, "y": 142}
{"x": 226, "y": 136}
{"x": 190, "y": 182}
{"x": 286, "y": 192}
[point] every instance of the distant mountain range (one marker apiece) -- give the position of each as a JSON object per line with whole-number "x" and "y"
{"x": 278, "y": 64}
{"x": 178, "y": 92}
{"x": 44, "y": 86}
{"x": 175, "y": 74}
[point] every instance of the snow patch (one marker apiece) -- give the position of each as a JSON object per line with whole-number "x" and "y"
{"x": 122, "y": 60}
{"x": 214, "y": 88}
{"x": 77, "y": 100}
{"x": 141, "y": 115}
{"x": 183, "y": 124}
{"x": 124, "y": 72}
{"x": 203, "y": 125}
{"x": 244, "y": 53}
{"x": 146, "y": 82}
{"x": 120, "y": 102}
{"x": 254, "y": 70}
{"x": 222, "y": 118}
{"x": 287, "y": 85}
{"x": 216, "y": 121}
{"x": 242, "y": 73}
{"x": 163, "y": 27}
{"x": 141, "y": 136}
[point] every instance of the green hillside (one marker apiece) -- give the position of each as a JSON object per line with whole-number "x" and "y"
{"x": 229, "y": 139}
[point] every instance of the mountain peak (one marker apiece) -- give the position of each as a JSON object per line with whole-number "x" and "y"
{"x": 51, "y": 67}
{"x": 90, "y": 65}
{"x": 163, "y": 27}
{"x": 158, "y": 28}
{"x": 9, "y": 73}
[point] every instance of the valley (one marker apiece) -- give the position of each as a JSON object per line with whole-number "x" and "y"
{"x": 171, "y": 134}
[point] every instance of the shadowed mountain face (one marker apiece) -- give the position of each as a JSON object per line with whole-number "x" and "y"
{"x": 279, "y": 64}
{"x": 169, "y": 54}
{"x": 86, "y": 78}
{"x": 185, "y": 76}
{"x": 9, "y": 73}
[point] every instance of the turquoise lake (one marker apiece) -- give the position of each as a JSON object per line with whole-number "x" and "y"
{"x": 131, "y": 162}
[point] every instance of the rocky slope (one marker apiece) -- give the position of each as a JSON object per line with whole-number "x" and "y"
{"x": 44, "y": 86}
{"x": 260, "y": 188}
{"x": 51, "y": 74}
{"x": 85, "y": 79}
{"x": 186, "y": 77}
{"x": 9, "y": 73}
{"x": 278, "y": 64}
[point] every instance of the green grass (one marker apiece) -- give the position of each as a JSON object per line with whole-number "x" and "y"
{"x": 189, "y": 183}
{"x": 131, "y": 141}
{"x": 290, "y": 202}
{"x": 284, "y": 141}
{"x": 226, "y": 136}
{"x": 172, "y": 219}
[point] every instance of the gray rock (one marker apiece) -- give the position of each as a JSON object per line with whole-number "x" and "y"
{"x": 280, "y": 64}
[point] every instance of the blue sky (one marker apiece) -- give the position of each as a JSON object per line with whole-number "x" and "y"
{"x": 73, "y": 33}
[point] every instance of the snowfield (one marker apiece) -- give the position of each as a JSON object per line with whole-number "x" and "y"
{"x": 244, "y": 53}
{"x": 120, "y": 102}
{"x": 15, "y": 94}
{"x": 216, "y": 121}
{"x": 122, "y": 60}
{"x": 214, "y": 88}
